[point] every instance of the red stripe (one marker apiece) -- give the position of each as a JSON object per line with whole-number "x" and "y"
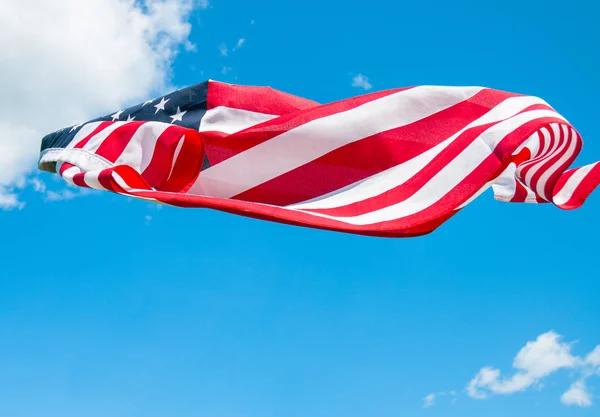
{"x": 369, "y": 156}
{"x": 285, "y": 216}
{"x": 162, "y": 156}
{"x": 114, "y": 145}
{"x": 415, "y": 183}
{"x": 563, "y": 180}
{"x": 64, "y": 166}
{"x": 105, "y": 179}
{"x": 546, "y": 161}
{"x": 474, "y": 180}
{"x": 257, "y": 99}
{"x": 166, "y": 174}
{"x": 414, "y": 225}
{"x": 219, "y": 148}
{"x": 78, "y": 179}
{"x": 520, "y": 193}
{"x": 587, "y": 185}
{"x": 97, "y": 130}
{"x": 131, "y": 177}
{"x": 188, "y": 165}
{"x": 543, "y": 153}
{"x": 554, "y": 177}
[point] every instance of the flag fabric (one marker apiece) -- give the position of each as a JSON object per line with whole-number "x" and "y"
{"x": 395, "y": 163}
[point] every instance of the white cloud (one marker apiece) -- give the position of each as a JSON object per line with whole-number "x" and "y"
{"x": 536, "y": 360}
{"x": 484, "y": 377}
{"x": 203, "y": 4}
{"x": 593, "y": 358}
{"x": 60, "y": 195}
{"x": 189, "y": 46}
{"x": 239, "y": 44}
{"x": 362, "y": 82}
{"x": 224, "y": 50}
{"x": 226, "y": 70}
{"x": 66, "y": 61}
{"x": 545, "y": 355}
{"x": 9, "y": 200}
{"x": 577, "y": 395}
{"x": 38, "y": 185}
{"x": 429, "y": 400}
{"x": 69, "y": 191}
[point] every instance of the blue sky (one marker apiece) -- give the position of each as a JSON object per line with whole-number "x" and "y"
{"x": 114, "y": 307}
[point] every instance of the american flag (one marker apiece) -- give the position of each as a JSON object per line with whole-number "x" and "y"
{"x": 395, "y": 163}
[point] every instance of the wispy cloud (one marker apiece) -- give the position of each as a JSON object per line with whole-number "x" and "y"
{"x": 190, "y": 46}
{"x": 9, "y": 200}
{"x": 38, "y": 185}
{"x": 226, "y": 70}
{"x": 361, "y": 81}
{"x": 51, "y": 196}
{"x": 203, "y": 4}
{"x": 223, "y": 50}
{"x": 429, "y": 400}
{"x": 60, "y": 195}
{"x": 239, "y": 44}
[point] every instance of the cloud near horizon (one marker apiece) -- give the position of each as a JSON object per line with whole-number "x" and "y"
{"x": 539, "y": 358}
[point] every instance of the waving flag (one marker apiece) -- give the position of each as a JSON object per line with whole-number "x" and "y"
{"x": 395, "y": 163}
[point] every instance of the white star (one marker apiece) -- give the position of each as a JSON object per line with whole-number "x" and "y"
{"x": 161, "y": 105}
{"x": 148, "y": 102}
{"x": 129, "y": 118}
{"x": 178, "y": 116}
{"x": 76, "y": 127}
{"x": 117, "y": 115}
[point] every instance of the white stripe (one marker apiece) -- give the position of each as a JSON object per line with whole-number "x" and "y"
{"x": 316, "y": 138}
{"x": 140, "y": 149}
{"x": 569, "y": 140}
{"x": 121, "y": 182}
{"x": 450, "y": 175}
{"x": 537, "y": 162}
{"x": 544, "y": 141}
{"x": 399, "y": 174}
{"x": 505, "y": 186}
{"x": 557, "y": 147}
{"x": 68, "y": 174}
{"x": 91, "y": 179}
{"x": 228, "y": 120}
{"x": 566, "y": 192}
{"x": 176, "y": 155}
{"x": 85, "y": 131}
{"x": 97, "y": 140}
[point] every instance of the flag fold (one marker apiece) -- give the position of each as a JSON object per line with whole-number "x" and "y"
{"x": 395, "y": 163}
